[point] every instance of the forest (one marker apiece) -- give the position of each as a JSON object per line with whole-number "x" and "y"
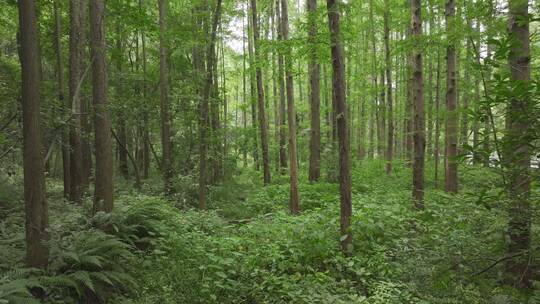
{"x": 270, "y": 151}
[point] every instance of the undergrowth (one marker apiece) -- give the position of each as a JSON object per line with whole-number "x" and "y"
{"x": 248, "y": 249}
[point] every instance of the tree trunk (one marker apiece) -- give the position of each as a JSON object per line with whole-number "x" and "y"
{"x": 294, "y": 200}
{"x": 315, "y": 98}
{"x": 204, "y": 119}
{"x": 86, "y": 126}
{"x": 61, "y": 97}
{"x": 166, "y": 145}
{"x": 253, "y": 95}
{"x": 75, "y": 101}
{"x": 122, "y": 128}
{"x": 390, "y": 139}
{"x": 36, "y": 209}
{"x": 103, "y": 193}
{"x": 451, "y": 182}
{"x": 517, "y": 143}
{"x": 146, "y": 122}
{"x": 418, "y": 97}
{"x": 282, "y": 106}
{"x": 437, "y": 149}
{"x": 338, "y": 87}
{"x": 260, "y": 96}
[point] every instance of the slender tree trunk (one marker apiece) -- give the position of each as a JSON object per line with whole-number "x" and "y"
{"x": 61, "y": 96}
{"x": 465, "y": 88}
{"x": 315, "y": 96}
{"x": 390, "y": 139}
{"x": 146, "y": 122}
{"x": 75, "y": 101}
{"x": 86, "y": 126}
{"x": 244, "y": 88}
{"x": 374, "y": 123}
{"x": 122, "y": 128}
{"x": 437, "y": 149}
{"x": 253, "y": 95}
{"x": 418, "y": 97}
{"x": 517, "y": 144}
{"x": 166, "y": 145}
{"x": 338, "y": 87}
{"x": 451, "y": 178}
{"x": 103, "y": 193}
{"x": 204, "y": 119}
{"x": 294, "y": 200}
{"x": 282, "y": 106}
{"x": 36, "y": 209}
{"x": 260, "y": 96}
{"x": 381, "y": 110}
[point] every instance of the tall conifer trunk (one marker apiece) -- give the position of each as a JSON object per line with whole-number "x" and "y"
{"x": 36, "y": 209}
{"x": 103, "y": 189}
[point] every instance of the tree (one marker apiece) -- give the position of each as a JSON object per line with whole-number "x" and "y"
{"x": 517, "y": 144}
{"x": 103, "y": 185}
{"x": 74, "y": 103}
{"x": 451, "y": 142}
{"x": 166, "y": 145}
{"x": 36, "y": 209}
{"x": 315, "y": 95}
{"x": 338, "y": 88}
{"x": 204, "y": 119}
{"x": 61, "y": 97}
{"x": 260, "y": 95}
{"x": 282, "y": 107}
{"x": 418, "y": 97}
{"x": 390, "y": 139}
{"x": 294, "y": 199}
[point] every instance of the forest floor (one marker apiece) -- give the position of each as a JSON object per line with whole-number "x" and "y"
{"x": 248, "y": 249}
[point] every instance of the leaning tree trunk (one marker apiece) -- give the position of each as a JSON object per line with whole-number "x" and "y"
{"x": 260, "y": 96}
{"x": 103, "y": 184}
{"x": 451, "y": 183}
{"x": 517, "y": 143}
{"x": 338, "y": 87}
{"x": 37, "y": 220}
{"x": 315, "y": 98}
{"x": 418, "y": 98}
{"x": 294, "y": 199}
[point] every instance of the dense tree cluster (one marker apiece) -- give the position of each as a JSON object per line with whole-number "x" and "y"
{"x": 99, "y": 92}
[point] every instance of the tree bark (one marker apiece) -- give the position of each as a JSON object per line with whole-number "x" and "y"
{"x": 86, "y": 126}
{"x": 437, "y": 149}
{"x": 204, "y": 119}
{"x": 61, "y": 97}
{"x": 166, "y": 145}
{"x": 390, "y": 139}
{"x": 260, "y": 96}
{"x": 103, "y": 193}
{"x": 451, "y": 182}
{"x": 122, "y": 128}
{"x": 315, "y": 96}
{"x": 36, "y": 208}
{"x": 75, "y": 77}
{"x": 282, "y": 106}
{"x": 338, "y": 87}
{"x": 517, "y": 143}
{"x": 253, "y": 95}
{"x": 418, "y": 97}
{"x": 294, "y": 200}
